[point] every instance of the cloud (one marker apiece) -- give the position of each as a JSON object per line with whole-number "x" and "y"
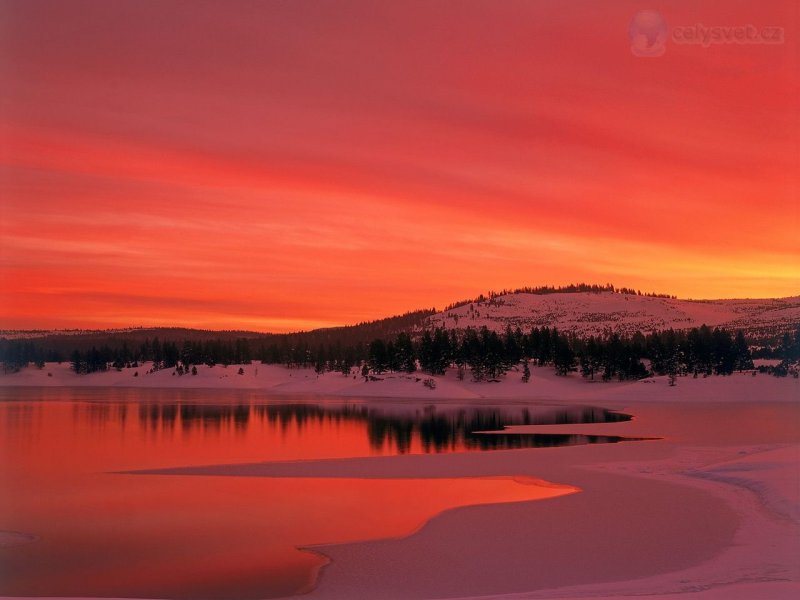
{"x": 259, "y": 155}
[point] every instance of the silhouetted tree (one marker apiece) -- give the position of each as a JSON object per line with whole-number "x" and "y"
{"x": 743, "y": 359}
{"x": 378, "y": 358}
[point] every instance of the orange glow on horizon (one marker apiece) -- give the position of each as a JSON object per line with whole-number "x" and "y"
{"x": 270, "y": 168}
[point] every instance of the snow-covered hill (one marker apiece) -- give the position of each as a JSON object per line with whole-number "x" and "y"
{"x": 602, "y": 313}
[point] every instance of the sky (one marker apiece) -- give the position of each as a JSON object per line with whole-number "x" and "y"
{"x": 286, "y": 165}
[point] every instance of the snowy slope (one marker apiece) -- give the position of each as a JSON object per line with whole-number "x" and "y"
{"x": 598, "y": 313}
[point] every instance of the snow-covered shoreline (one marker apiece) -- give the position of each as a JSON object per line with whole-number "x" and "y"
{"x": 278, "y": 380}
{"x": 759, "y": 561}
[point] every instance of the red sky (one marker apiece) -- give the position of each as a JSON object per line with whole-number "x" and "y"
{"x": 286, "y": 165}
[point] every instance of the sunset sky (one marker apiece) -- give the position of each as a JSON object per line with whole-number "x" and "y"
{"x": 285, "y": 165}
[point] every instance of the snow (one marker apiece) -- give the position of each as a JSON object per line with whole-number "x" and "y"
{"x": 705, "y": 522}
{"x": 31, "y": 334}
{"x": 762, "y": 485}
{"x": 766, "y": 362}
{"x": 599, "y": 313}
{"x": 544, "y": 384}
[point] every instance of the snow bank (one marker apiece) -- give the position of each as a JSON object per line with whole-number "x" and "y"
{"x": 762, "y": 485}
{"x": 544, "y": 384}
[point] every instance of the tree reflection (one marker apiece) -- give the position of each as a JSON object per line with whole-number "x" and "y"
{"x": 433, "y": 429}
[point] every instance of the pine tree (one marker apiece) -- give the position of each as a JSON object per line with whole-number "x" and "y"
{"x": 319, "y": 362}
{"x": 590, "y": 358}
{"x": 76, "y": 362}
{"x": 426, "y": 359}
{"x": 723, "y": 352}
{"x": 564, "y": 357}
{"x": 404, "y": 353}
{"x": 378, "y": 358}
{"x": 743, "y": 358}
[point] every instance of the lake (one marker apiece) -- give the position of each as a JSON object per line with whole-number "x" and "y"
{"x": 80, "y": 521}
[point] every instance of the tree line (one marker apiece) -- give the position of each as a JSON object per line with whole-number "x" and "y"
{"x": 485, "y": 354}
{"x": 543, "y": 290}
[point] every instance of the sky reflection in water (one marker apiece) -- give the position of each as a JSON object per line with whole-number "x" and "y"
{"x": 102, "y": 533}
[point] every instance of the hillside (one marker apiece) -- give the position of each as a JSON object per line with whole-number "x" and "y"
{"x": 65, "y": 341}
{"x": 582, "y": 313}
{"x": 586, "y": 313}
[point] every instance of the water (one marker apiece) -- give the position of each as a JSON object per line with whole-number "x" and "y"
{"x": 91, "y": 526}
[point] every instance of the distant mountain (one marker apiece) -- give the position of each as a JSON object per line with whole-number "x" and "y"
{"x": 65, "y": 341}
{"x": 126, "y": 333}
{"x": 588, "y": 313}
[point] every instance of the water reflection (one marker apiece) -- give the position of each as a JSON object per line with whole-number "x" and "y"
{"x": 103, "y": 534}
{"x": 439, "y": 432}
{"x": 432, "y": 429}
